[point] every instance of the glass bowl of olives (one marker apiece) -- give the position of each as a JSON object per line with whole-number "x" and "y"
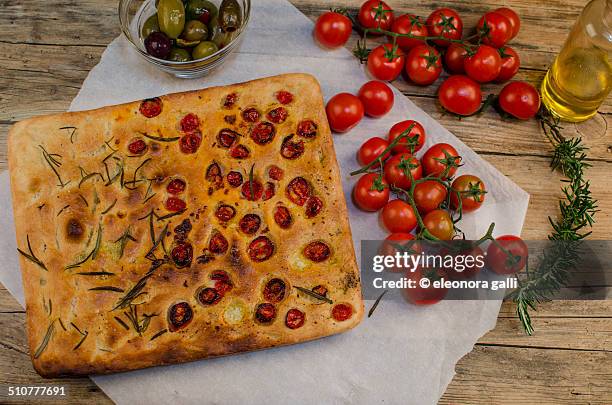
{"x": 186, "y": 38}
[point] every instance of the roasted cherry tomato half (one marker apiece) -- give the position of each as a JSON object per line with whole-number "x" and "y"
{"x": 371, "y": 192}
{"x": 508, "y": 254}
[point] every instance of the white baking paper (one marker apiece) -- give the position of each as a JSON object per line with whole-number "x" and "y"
{"x": 403, "y": 354}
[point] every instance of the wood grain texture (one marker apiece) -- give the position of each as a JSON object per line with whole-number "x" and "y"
{"x": 47, "y": 49}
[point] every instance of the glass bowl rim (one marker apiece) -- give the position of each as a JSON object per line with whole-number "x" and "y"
{"x": 126, "y": 32}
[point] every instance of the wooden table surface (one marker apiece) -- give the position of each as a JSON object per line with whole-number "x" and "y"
{"x": 48, "y": 47}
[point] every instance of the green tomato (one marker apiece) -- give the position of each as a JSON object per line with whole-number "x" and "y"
{"x": 195, "y": 31}
{"x": 171, "y": 16}
{"x": 197, "y": 8}
{"x": 151, "y": 25}
{"x": 204, "y": 49}
{"x": 179, "y": 55}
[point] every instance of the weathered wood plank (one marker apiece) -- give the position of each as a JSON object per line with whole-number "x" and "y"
{"x": 507, "y": 375}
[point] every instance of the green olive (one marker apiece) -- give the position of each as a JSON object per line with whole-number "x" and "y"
{"x": 196, "y": 9}
{"x": 179, "y": 55}
{"x": 203, "y": 50}
{"x": 218, "y": 36}
{"x": 195, "y": 31}
{"x": 171, "y": 16}
{"x": 183, "y": 43}
{"x": 230, "y": 17}
{"x": 151, "y": 25}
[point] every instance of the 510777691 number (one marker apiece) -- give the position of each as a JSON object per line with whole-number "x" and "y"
{"x": 36, "y": 391}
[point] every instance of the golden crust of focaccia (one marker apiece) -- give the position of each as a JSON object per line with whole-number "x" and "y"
{"x": 116, "y": 280}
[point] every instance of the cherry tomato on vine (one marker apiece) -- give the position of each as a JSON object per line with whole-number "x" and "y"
{"x": 441, "y": 160}
{"x": 371, "y": 192}
{"x": 377, "y": 98}
{"x": 375, "y": 14}
{"x": 385, "y": 62}
{"x": 512, "y": 260}
{"x": 332, "y": 29}
{"x": 512, "y": 16}
{"x": 416, "y": 137}
{"x": 454, "y": 58}
{"x": 396, "y": 170}
{"x": 473, "y": 262}
{"x": 440, "y": 224}
{"x": 344, "y": 111}
{"x": 494, "y": 28}
{"x": 421, "y": 294}
{"x": 520, "y": 100}
{"x": 460, "y": 95}
{"x": 444, "y": 22}
{"x": 398, "y": 216}
{"x": 472, "y": 191}
{"x": 423, "y": 65}
{"x": 409, "y": 24}
{"x": 510, "y": 63}
{"x": 371, "y": 150}
{"x": 428, "y": 195}
{"x": 399, "y": 242}
{"x": 483, "y": 65}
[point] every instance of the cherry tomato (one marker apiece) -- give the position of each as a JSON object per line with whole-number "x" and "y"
{"x": 415, "y": 140}
{"x": 510, "y": 261}
{"x": 398, "y": 216}
{"x": 371, "y": 192}
{"x": 344, "y": 111}
{"x": 377, "y": 98}
{"x": 375, "y": 14}
{"x": 440, "y": 224}
{"x": 495, "y": 29}
{"x": 399, "y": 242}
{"x": 460, "y": 95}
{"x": 385, "y": 62}
{"x": 425, "y": 294}
{"x": 444, "y": 22}
{"x": 473, "y": 262}
{"x": 510, "y": 63}
{"x": 515, "y": 21}
{"x": 332, "y": 29}
{"x": 520, "y": 100}
{"x": 397, "y": 167}
{"x": 441, "y": 160}
{"x": 371, "y": 150}
{"x": 409, "y": 24}
{"x": 471, "y": 190}
{"x": 454, "y": 58}
{"x": 428, "y": 195}
{"x": 423, "y": 65}
{"x": 484, "y": 65}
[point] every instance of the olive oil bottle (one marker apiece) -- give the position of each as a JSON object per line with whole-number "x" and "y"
{"x": 580, "y": 78}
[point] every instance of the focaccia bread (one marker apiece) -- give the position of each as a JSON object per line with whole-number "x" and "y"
{"x": 187, "y": 226}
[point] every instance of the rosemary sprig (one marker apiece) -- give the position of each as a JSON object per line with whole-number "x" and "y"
{"x": 380, "y": 297}
{"x": 107, "y": 288}
{"x": 136, "y": 290}
{"x": 31, "y": 256}
{"x": 576, "y": 212}
{"x": 158, "y": 334}
{"x": 313, "y": 294}
{"x": 140, "y": 325}
{"x": 73, "y": 131}
{"x": 46, "y": 339}
{"x": 160, "y": 138}
{"x": 53, "y": 160}
{"x": 92, "y": 255}
{"x": 83, "y": 334}
{"x": 124, "y": 239}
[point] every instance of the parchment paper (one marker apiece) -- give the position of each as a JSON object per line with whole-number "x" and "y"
{"x": 403, "y": 354}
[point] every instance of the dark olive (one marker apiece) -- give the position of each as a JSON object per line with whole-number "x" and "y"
{"x": 202, "y": 10}
{"x": 218, "y": 36}
{"x": 171, "y": 17}
{"x": 180, "y": 55}
{"x": 230, "y": 17}
{"x": 151, "y": 25}
{"x": 158, "y": 44}
{"x": 203, "y": 50}
{"x": 195, "y": 31}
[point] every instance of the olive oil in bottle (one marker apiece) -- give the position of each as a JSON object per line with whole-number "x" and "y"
{"x": 580, "y": 78}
